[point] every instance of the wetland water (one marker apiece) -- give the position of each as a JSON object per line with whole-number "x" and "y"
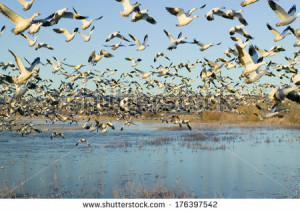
{"x": 208, "y": 162}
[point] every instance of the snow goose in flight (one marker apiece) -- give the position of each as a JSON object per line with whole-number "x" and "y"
{"x": 116, "y": 35}
{"x": 55, "y": 17}
{"x": 204, "y": 46}
{"x": 57, "y": 67}
{"x": 31, "y": 42}
{"x": 34, "y": 28}
{"x": 278, "y": 36}
{"x": 256, "y": 75}
{"x": 128, "y": 8}
{"x": 76, "y": 67}
{"x": 215, "y": 11}
{"x": 268, "y": 114}
{"x": 239, "y": 30}
{"x": 142, "y": 15}
{"x": 247, "y": 2}
{"x": 295, "y": 78}
{"x": 144, "y": 74}
{"x": 94, "y": 57}
{"x": 239, "y": 41}
{"x": 173, "y": 42}
{"x": 2, "y": 30}
{"x": 83, "y": 140}
{"x": 27, "y": 4}
{"x": 117, "y": 45}
{"x": 25, "y": 73}
{"x": 183, "y": 17}
{"x": 231, "y": 14}
{"x": 159, "y": 54}
{"x": 86, "y": 24}
{"x": 66, "y": 33}
{"x": 87, "y": 37}
{"x": 285, "y": 18}
{"x": 230, "y": 51}
{"x": 141, "y": 46}
{"x": 295, "y": 32}
{"x": 251, "y": 63}
{"x": 279, "y": 94}
{"x": 21, "y": 23}
{"x": 54, "y": 134}
{"x": 41, "y": 45}
{"x": 134, "y": 62}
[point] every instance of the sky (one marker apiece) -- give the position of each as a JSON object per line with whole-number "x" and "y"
{"x": 77, "y": 51}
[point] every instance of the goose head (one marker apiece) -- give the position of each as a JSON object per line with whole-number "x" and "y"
{"x": 195, "y": 16}
{"x": 36, "y": 14}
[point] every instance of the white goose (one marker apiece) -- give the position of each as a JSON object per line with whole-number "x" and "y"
{"x": 31, "y": 42}
{"x": 128, "y": 8}
{"x": 173, "y": 42}
{"x": 247, "y": 61}
{"x": 117, "y": 45}
{"x": 94, "y": 58}
{"x": 256, "y": 75}
{"x": 66, "y": 33}
{"x": 55, "y": 17}
{"x": 285, "y": 18}
{"x": 231, "y": 14}
{"x": 247, "y": 2}
{"x": 27, "y": 4}
{"x": 142, "y": 15}
{"x": 141, "y": 46}
{"x": 295, "y": 32}
{"x": 215, "y": 11}
{"x": 57, "y": 67}
{"x": 159, "y": 54}
{"x": 205, "y": 46}
{"x": 278, "y": 36}
{"x": 279, "y": 94}
{"x": 87, "y": 37}
{"x": 116, "y": 35}
{"x": 183, "y": 17}
{"x": 86, "y": 24}
{"x": 133, "y": 61}
{"x": 76, "y": 67}
{"x": 239, "y": 41}
{"x": 239, "y": 30}
{"x": 25, "y": 74}
{"x": 21, "y": 23}
{"x": 34, "y": 28}
{"x": 295, "y": 78}
{"x": 43, "y": 45}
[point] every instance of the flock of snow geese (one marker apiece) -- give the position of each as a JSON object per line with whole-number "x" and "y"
{"x": 26, "y": 94}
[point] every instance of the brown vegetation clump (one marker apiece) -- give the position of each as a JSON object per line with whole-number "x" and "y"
{"x": 293, "y": 116}
{"x": 211, "y": 115}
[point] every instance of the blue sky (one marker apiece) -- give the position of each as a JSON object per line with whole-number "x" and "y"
{"x": 77, "y": 51}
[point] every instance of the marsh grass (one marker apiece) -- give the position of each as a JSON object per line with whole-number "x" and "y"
{"x": 158, "y": 141}
{"x": 130, "y": 190}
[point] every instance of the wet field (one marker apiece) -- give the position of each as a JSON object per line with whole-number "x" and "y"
{"x": 152, "y": 160}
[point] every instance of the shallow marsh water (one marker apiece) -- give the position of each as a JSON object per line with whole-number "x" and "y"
{"x": 208, "y": 162}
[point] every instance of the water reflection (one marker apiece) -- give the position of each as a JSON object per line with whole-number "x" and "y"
{"x": 227, "y": 162}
